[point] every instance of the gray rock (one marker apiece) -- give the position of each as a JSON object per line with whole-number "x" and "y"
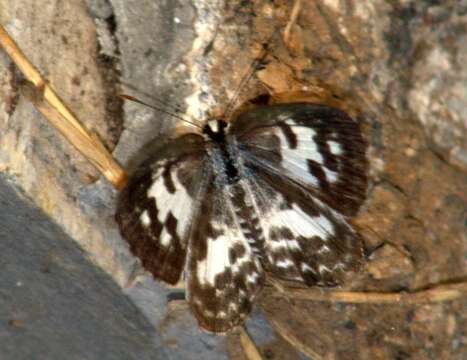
{"x": 55, "y": 303}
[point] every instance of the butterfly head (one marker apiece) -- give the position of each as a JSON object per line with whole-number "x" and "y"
{"x": 214, "y": 130}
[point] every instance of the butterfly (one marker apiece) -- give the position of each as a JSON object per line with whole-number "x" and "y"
{"x": 267, "y": 194}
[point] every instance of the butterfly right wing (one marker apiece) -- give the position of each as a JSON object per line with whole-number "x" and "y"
{"x": 305, "y": 171}
{"x": 155, "y": 210}
{"x": 304, "y": 239}
{"x": 319, "y": 147}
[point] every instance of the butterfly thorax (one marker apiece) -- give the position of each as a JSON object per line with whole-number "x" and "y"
{"x": 215, "y": 130}
{"x": 221, "y": 152}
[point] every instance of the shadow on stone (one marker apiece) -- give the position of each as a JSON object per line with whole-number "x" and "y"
{"x": 54, "y": 303}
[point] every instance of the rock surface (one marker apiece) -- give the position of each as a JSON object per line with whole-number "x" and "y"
{"x": 396, "y": 66}
{"x": 54, "y": 302}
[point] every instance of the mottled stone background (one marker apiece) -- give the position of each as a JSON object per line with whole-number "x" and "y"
{"x": 398, "y": 66}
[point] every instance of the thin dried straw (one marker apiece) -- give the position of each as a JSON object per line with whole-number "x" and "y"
{"x": 249, "y": 347}
{"x": 437, "y": 294}
{"x": 293, "y": 19}
{"x": 293, "y": 340}
{"x": 62, "y": 118}
{"x": 440, "y": 293}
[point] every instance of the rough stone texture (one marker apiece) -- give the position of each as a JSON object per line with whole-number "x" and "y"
{"x": 388, "y": 262}
{"x": 397, "y": 66}
{"x": 54, "y": 303}
{"x": 439, "y": 64}
{"x": 374, "y": 55}
{"x": 59, "y": 38}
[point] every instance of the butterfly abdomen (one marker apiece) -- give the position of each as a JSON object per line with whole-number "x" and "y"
{"x": 248, "y": 219}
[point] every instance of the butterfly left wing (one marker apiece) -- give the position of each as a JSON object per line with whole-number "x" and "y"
{"x": 155, "y": 210}
{"x": 224, "y": 276}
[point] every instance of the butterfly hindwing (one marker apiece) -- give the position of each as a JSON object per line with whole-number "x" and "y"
{"x": 155, "y": 210}
{"x": 224, "y": 276}
{"x": 305, "y": 240}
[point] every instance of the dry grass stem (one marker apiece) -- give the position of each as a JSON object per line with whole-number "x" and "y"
{"x": 293, "y": 18}
{"x": 294, "y": 341}
{"x": 62, "y": 118}
{"x": 436, "y": 294}
{"x": 249, "y": 347}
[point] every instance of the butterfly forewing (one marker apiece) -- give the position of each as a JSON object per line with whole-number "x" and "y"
{"x": 155, "y": 211}
{"x": 314, "y": 145}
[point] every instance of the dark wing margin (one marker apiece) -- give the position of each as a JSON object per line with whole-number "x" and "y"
{"x": 155, "y": 210}
{"x": 224, "y": 276}
{"x": 317, "y": 146}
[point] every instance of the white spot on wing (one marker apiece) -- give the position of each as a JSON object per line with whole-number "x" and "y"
{"x": 214, "y": 125}
{"x": 145, "y": 219}
{"x": 284, "y": 244}
{"x": 217, "y": 259}
{"x": 323, "y": 269}
{"x": 164, "y": 237}
{"x": 305, "y": 267}
{"x": 284, "y": 263}
{"x": 222, "y": 314}
{"x": 331, "y": 176}
{"x": 339, "y": 266}
{"x": 296, "y": 160}
{"x": 178, "y": 203}
{"x": 335, "y": 147}
{"x": 323, "y": 249}
{"x": 252, "y": 278}
{"x": 285, "y": 116}
{"x": 305, "y": 143}
{"x": 301, "y": 224}
{"x": 293, "y": 244}
{"x": 298, "y": 167}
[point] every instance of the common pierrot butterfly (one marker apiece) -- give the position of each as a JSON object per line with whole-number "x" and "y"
{"x": 268, "y": 193}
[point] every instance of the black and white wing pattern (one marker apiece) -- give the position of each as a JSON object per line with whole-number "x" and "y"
{"x": 155, "y": 210}
{"x": 319, "y": 147}
{"x": 224, "y": 275}
{"x": 269, "y": 193}
{"x": 305, "y": 171}
{"x": 178, "y": 212}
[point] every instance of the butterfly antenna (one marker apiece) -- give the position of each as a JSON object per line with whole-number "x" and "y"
{"x": 173, "y": 107}
{"x": 246, "y": 78}
{"x": 131, "y": 98}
